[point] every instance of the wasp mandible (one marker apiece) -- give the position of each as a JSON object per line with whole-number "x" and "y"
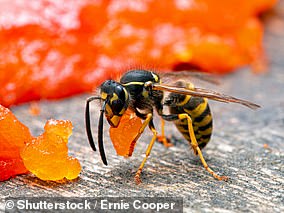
{"x": 142, "y": 91}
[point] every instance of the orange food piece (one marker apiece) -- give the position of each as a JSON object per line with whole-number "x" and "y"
{"x": 13, "y": 135}
{"x": 73, "y": 49}
{"x": 122, "y": 137}
{"x": 11, "y": 167}
{"x": 46, "y": 156}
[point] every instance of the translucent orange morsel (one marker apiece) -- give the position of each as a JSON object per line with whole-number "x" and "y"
{"x": 46, "y": 156}
{"x": 11, "y": 167}
{"x": 122, "y": 137}
{"x": 13, "y": 134}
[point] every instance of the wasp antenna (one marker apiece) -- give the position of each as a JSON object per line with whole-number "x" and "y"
{"x": 100, "y": 135}
{"x": 88, "y": 122}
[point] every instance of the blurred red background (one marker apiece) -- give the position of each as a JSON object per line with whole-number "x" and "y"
{"x": 53, "y": 49}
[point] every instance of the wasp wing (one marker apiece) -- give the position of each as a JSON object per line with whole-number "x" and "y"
{"x": 205, "y": 93}
{"x": 189, "y": 75}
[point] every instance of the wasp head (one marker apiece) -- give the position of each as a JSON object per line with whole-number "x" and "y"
{"x": 116, "y": 100}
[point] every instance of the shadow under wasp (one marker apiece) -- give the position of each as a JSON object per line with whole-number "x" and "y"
{"x": 142, "y": 91}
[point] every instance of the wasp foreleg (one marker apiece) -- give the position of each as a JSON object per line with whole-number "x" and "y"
{"x": 149, "y": 122}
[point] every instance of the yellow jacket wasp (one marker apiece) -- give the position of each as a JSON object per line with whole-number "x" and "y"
{"x": 141, "y": 91}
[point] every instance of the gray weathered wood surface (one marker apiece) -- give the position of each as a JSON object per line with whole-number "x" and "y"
{"x": 237, "y": 149}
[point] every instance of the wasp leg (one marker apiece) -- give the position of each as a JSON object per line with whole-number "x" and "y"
{"x": 196, "y": 149}
{"x": 149, "y": 122}
{"x": 144, "y": 125}
{"x": 162, "y": 138}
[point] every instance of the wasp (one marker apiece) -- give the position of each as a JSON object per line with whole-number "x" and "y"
{"x": 142, "y": 92}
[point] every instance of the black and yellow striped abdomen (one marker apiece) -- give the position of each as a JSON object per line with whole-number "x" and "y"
{"x": 198, "y": 110}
